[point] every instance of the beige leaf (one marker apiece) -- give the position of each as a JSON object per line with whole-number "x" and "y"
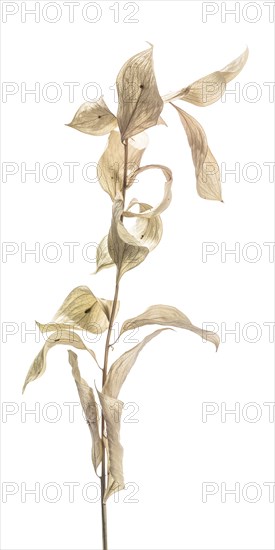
{"x": 210, "y": 88}
{"x": 65, "y": 337}
{"x": 90, "y": 409}
{"x": 122, "y": 366}
{"x": 94, "y": 118}
{"x": 139, "y": 102}
{"x": 82, "y": 309}
{"x": 167, "y": 192}
{"x": 147, "y": 231}
{"x": 124, "y": 248}
{"x": 161, "y": 121}
{"x": 103, "y": 258}
{"x": 112, "y": 410}
{"x": 111, "y": 164}
{"x": 206, "y": 166}
{"x": 171, "y": 316}
{"x": 112, "y": 486}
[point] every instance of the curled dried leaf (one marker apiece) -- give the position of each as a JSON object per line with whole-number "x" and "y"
{"x": 147, "y": 231}
{"x": 124, "y": 248}
{"x": 167, "y": 196}
{"x": 206, "y": 167}
{"x": 112, "y": 410}
{"x": 171, "y": 316}
{"x": 111, "y": 164}
{"x": 84, "y": 311}
{"x": 122, "y": 366}
{"x": 94, "y": 118}
{"x": 139, "y": 102}
{"x": 89, "y": 405}
{"x": 103, "y": 258}
{"x": 210, "y": 88}
{"x": 65, "y": 337}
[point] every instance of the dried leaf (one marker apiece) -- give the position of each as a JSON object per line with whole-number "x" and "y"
{"x": 112, "y": 486}
{"x": 147, "y": 231}
{"x": 167, "y": 192}
{"x": 122, "y": 366}
{"x": 111, "y": 164}
{"x": 103, "y": 258}
{"x": 171, "y": 316}
{"x": 124, "y": 249}
{"x": 94, "y": 118}
{"x": 82, "y": 309}
{"x": 65, "y": 337}
{"x": 112, "y": 410}
{"x": 206, "y": 166}
{"x": 139, "y": 102}
{"x": 90, "y": 409}
{"x": 210, "y": 88}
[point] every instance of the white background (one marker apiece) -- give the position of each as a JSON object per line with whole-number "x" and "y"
{"x": 169, "y": 453}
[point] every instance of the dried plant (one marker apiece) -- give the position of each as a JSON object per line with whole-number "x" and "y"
{"x": 139, "y": 108}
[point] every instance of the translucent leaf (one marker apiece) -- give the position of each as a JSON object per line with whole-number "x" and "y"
{"x": 103, "y": 258}
{"x": 167, "y": 192}
{"x": 65, "y": 337}
{"x": 171, "y": 316}
{"x": 122, "y": 366}
{"x": 110, "y": 168}
{"x": 147, "y": 231}
{"x": 94, "y": 118}
{"x": 112, "y": 410}
{"x": 112, "y": 485}
{"x": 89, "y": 405}
{"x": 210, "y": 88}
{"x": 206, "y": 166}
{"x": 82, "y": 309}
{"x": 124, "y": 248}
{"x": 139, "y": 102}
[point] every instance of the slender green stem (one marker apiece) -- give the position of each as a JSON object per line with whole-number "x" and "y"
{"x": 105, "y": 371}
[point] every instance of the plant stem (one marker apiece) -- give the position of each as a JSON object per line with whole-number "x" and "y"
{"x": 104, "y": 374}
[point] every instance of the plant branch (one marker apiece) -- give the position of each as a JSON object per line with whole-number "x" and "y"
{"x": 105, "y": 371}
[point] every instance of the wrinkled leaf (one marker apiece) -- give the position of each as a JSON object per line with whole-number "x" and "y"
{"x": 94, "y": 118}
{"x": 167, "y": 192}
{"x": 210, "y": 88}
{"x": 103, "y": 258}
{"x": 139, "y": 102}
{"x": 124, "y": 249}
{"x": 112, "y": 410}
{"x": 171, "y": 316}
{"x": 65, "y": 337}
{"x": 111, "y": 164}
{"x": 206, "y": 167}
{"x": 85, "y": 311}
{"x": 122, "y": 366}
{"x": 147, "y": 231}
{"x": 89, "y": 405}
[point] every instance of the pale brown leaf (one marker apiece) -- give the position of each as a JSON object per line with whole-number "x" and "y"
{"x": 124, "y": 248}
{"x": 111, "y": 164}
{"x": 210, "y": 88}
{"x": 84, "y": 311}
{"x": 65, "y": 337}
{"x": 122, "y": 366}
{"x": 167, "y": 196}
{"x": 171, "y": 316}
{"x": 94, "y": 118}
{"x": 103, "y": 258}
{"x": 112, "y": 410}
{"x": 89, "y": 405}
{"x": 139, "y": 102}
{"x": 147, "y": 231}
{"x": 206, "y": 167}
